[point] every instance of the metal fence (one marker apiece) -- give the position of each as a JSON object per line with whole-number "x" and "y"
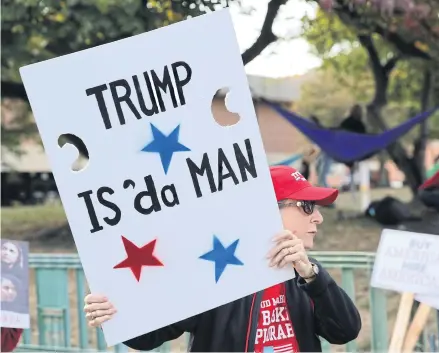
{"x": 58, "y": 287}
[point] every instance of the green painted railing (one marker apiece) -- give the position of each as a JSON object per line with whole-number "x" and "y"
{"x": 58, "y": 287}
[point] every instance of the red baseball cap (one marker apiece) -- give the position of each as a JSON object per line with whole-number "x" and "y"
{"x": 290, "y": 184}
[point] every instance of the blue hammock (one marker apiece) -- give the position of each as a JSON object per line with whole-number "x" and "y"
{"x": 347, "y": 147}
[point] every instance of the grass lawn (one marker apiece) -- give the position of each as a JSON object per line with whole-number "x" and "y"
{"x": 21, "y": 221}
{"x": 32, "y": 223}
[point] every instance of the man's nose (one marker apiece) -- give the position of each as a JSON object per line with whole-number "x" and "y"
{"x": 317, "y": 217}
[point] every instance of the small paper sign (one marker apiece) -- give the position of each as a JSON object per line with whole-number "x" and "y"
{"x": 407, "y": 262}
{"x": 15, "y": 284}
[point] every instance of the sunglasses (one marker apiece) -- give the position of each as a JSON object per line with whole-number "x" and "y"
{"x": 307, "y": 206}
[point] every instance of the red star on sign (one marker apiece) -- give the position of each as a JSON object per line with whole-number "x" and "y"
{"x": 138, "y": 257}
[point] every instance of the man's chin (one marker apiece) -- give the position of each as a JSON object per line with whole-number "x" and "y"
{"x": 308, "y": 242}
{"x": 309, "y": 245}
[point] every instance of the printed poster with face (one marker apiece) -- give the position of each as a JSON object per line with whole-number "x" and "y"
{"x": 173, "y": 214}
{"x": 15, "y": 284}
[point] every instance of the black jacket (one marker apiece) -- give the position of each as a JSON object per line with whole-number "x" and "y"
{"x": 319, "y": 308}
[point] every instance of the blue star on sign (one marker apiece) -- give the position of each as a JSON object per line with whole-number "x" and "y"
{"x": 222, "y": 256}
{"x": 165, "y": 145}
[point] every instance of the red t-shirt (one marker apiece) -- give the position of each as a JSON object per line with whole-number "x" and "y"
{"x": 431, "y": 182}
{"x": 10, "y": 338}
{"x": 275, "y": 332}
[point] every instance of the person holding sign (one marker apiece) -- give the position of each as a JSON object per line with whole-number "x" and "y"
{"x": 428, "y": 192}
{"x": 287, "y": 317}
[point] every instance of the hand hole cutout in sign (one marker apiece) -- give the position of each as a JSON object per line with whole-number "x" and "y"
{"x": 74, "y": 142}
{"x": 221, "y": 109}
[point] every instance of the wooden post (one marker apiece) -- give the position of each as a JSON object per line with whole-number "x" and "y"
{"x": 364, "y": 171}
{"x": 402, "y": 322}
{"x": 416, "y": 328}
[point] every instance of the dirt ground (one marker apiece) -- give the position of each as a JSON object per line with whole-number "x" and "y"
{"x": 44, "y": 227}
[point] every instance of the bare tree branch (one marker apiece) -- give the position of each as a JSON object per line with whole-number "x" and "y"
{"x": 391, "y": 63}
{"x": 266, "y": 37}
{"x": 380, "y": 76}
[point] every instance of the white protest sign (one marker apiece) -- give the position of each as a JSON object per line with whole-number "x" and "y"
{"x": 407, "y": 262}
{"x": 431, "y": 300}
{"x": 186, "y": 204}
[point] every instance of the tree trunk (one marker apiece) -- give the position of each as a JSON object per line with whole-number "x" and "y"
{"x": 381, "y": 75}
{"x": 421, "y": 142}
{"x": 383, "y": 180}
{"x": 396, "y": 151}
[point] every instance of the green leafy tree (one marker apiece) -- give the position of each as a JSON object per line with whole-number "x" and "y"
{"x": 343, "y": 54}
{"x": 33, "y": 31}
{"x": 360, "y": 44}
{"x": 329, "y": 97}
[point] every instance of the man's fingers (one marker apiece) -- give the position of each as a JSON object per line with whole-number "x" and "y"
{"x": 289, "y": 259}
{"x": 285, "y": 234}
{"x": 95, "y": 298}
{"x": 277, "y": 248}
{"x": 298, "y": 248}
{"x": 110, "y": 312}
{"x": 278, "y": 258}
{"x": 98, "y": 309}
{"x": 99, "y": 316}
{"x": 286, "y": 253}
{"x": 99, "y": 313}
{"x": 290, "y": 243}
{"x": 287, "y": 250}
{"x": 97, "y": 306}
{"x": 99, "y": 321}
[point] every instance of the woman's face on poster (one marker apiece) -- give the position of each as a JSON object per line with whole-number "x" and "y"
{"x": 10, "y": 253}
{"x": 9, "y": 292}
